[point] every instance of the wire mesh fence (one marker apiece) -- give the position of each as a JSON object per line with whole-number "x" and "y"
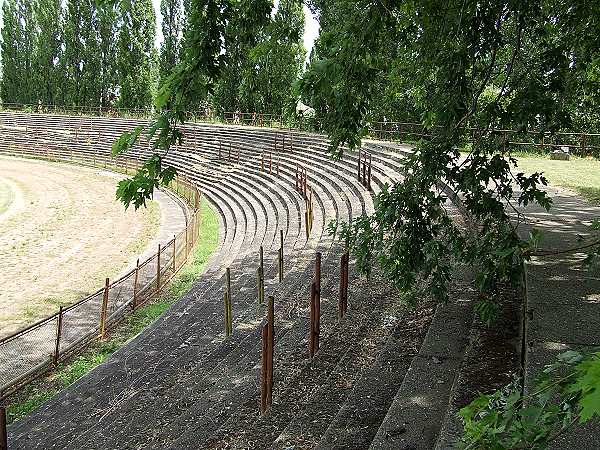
{"x": 28, "y": 352}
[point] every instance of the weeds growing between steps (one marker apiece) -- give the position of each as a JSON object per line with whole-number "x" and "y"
{"x": 34, "y": 394}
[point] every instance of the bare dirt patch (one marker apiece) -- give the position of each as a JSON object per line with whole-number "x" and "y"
{"x": 60, "y": 236}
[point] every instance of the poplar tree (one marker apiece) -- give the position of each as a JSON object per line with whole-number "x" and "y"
{"x": 46, "y": 75}
{"x": 136, "y": 54}
{"x": 247, "y": 27}
{"x": 275, "y": 63}
{"x": 172, "y": 25}
{"x": 80, "y": 64}
{"x": 12, "y": 69}
{"x": 107, "y": 27}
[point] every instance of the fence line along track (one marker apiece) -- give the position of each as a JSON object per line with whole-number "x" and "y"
{"x": 27, "y": 353}
{"x": 581, "y": 143}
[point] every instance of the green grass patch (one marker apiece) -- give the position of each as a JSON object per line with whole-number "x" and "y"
{"x": 34, "y": 394}
{"x": 580, "y": 174}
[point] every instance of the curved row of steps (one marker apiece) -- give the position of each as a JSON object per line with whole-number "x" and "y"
{"x": 181, "y": 383}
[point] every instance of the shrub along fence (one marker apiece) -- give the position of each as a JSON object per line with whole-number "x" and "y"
{"x": 29, "y": 352}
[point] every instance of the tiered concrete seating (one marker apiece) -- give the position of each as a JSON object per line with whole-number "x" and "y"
{"x": 181, "y": 383}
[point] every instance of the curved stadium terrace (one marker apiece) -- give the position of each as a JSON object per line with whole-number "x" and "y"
{"x": 183, "y": 384}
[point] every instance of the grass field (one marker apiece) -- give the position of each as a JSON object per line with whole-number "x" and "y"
{"x": 36, "y": 393}
{"x": 579, "y": 174}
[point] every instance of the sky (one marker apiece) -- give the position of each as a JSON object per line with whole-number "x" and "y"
{"x": 311, "y": 26}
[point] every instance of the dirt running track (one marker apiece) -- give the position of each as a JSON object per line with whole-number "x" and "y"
{"x": 61, "y": 234}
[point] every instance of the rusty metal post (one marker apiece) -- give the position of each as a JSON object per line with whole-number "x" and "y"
{"x": 104, "y": 309}
{"x": 306, "y": 224}
{"x": 174, "y": 253}
{"x": 58, "y": 335}
{"x": 3, "y": 432}
{"x": 281, "y": 256}
{"x": 262, "y": 161}
{"x": 263, "y": 372}
{"x": 359, "y": 161}
{"x": 226, "y": 313}
{"x": 229, "y": 309}
{"x": 305, "y": 181}
{"x": 158, "y": 271}
{"x": 186, "y": 239}
{"x": 271, "y": 341}
{"x": 311, "y": 325}
{"x": 135, "y": 284}
{"x": 364, "y": 169}
{"x": 343, "y": 294}
{"x": 270, "y": 163}
{"x": 317, "y": 300}
{"x": 297, "y": 176}
{"x": 229, "y": 150}
{"x": 220, "y": 145}
{"x": 346, "y": 260}
{"x": 369, "y": 172}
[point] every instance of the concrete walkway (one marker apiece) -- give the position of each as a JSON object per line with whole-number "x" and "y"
{"x": 563, "y": 298}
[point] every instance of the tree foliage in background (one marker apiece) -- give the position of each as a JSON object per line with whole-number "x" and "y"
{"x": 12, "y": 65}
{"x": 136, "y": 54}
{"x": 275, "y": 63}
{"x": 108, "y": 77}
{"x": 246, "y": 27}
{"x": 80, "y": 64}
{"x": 46, "y": 72}
{"x": 172, "y": 26}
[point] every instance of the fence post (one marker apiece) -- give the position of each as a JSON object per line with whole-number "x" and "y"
{"x": 135, "y": 284}
{"x": 369, "y": 171}
{"x": 186, "y": 238}
{"x": 342, "y": 299}
{"x": 261, "y": 277}
{"x": 263, "y": 372}
{"x": 104, "y": 309}
{"x": 296, "y": 176}
{"x": 281, "y": 256}
{"x": 270, "y": 342}
{"x": 317, "y": 300}
{"x": 306, "y": 223}
{"x": 158, "y": 271}
{"x": 174, "y": 252}
{"x": 359, "y": 161}
{"x": 228, "y": 313}
{"x": 3, "y": 432}
{"x": 311, "y": 326}
{"x": 58, "y": 335}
